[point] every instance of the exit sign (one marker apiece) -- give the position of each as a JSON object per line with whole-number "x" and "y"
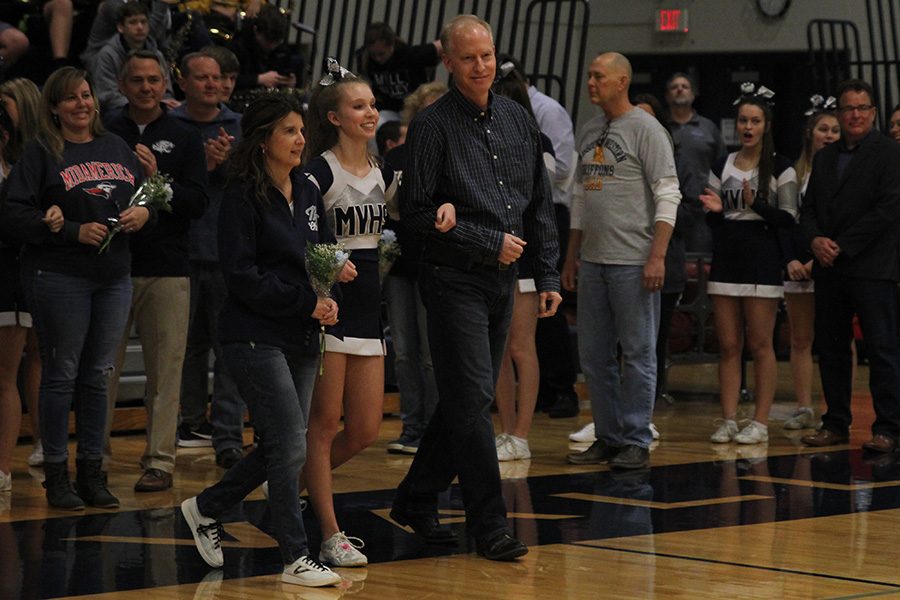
{"x": 671, "y": 20}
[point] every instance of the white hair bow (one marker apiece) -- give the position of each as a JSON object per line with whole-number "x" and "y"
{"x": 334, "y": 72}
{"x": 748, "y": 88}
{"x": 819, "y": 104}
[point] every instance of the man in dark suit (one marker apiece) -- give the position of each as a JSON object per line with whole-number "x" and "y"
{"x": 850, "y": 216}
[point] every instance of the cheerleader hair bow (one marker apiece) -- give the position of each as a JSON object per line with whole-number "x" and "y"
{"x": 819, "y": 104}
{"x": 505, "y": 69}
{"x": 749, "y": 90}
{"x": 334, "y": 72}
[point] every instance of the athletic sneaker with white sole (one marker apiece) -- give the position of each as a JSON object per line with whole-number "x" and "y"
{"x": 207, "y": 533}
{"x": 754, "y": 433}
{"x": 308, "y": 572}
{"x": 584, "y": 435}
{"x": 342, "y": 551}
{"x": 725, "y": 433}
{"x": 513, "y": 448}
{"x": 36, "y": 458}
{"x": 803, "y": 418}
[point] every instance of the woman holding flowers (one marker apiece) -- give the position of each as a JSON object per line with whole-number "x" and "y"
{"x": 63, "y": 195}
{"x": 751, "y": 198}
{"x": 269, "y": 328}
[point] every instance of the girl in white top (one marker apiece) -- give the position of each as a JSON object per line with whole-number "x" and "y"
{"x": 751, "y": 195}
{"x": 340, "y": 124}
{"x": 821, "y": 128}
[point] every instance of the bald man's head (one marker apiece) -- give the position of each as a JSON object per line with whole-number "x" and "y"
{"x": 617, "y": 64}
{"x": 609, "y": 76}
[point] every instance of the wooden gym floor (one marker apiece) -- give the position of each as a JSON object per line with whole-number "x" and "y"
{"x": 706, "y": 521}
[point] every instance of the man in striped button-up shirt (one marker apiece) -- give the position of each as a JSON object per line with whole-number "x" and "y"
{"x": 482, "y": 153}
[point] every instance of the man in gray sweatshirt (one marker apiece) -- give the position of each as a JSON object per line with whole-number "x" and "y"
{"x": 623, "y": 212}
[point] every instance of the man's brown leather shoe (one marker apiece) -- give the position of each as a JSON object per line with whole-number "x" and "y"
{"x": 153, "y": 480}
{"x": 825, "y": 437}
{"x": 880, "y": 443}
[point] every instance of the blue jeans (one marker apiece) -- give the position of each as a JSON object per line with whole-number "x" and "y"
{"x": 875, "y": 302}
{"x": 79, "y": 323}
{"x": 278, "y": 387}
{"x": 226, "y": 413}
{"x": 412, "y": 358}
{"x": 615, "y": 308}
{"x": 468, "y": 320}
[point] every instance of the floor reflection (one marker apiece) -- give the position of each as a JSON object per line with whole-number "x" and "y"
{"x": 91, "y": 554}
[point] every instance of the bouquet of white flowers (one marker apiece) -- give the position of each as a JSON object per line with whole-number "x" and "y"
{"x": 324, "y": 263}
{"x": 156, "y": 192}
{"x": 388, "y": 251}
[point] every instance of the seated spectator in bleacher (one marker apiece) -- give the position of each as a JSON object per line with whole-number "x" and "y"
{"x": 265, "y": 57}
{"x": 395, "y": 68}
{"x": 133, "y": 34}
{"x": 230, "y": 67}
{"x": 59, "y": 15}
{"x": 13, "y": 44}
{"x": 166, "y": 28}
{"x": 389, "y": 136}
{"x": 104, "y": 25}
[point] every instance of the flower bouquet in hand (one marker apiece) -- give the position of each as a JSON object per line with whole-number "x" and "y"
{"x": 324, "y": 263}
{"x": 155, "y": 192}
{"x": 388, "y": 251}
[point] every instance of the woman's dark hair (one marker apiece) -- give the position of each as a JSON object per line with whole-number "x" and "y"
{"x": 248, "y": 163}
{"x": 766, "y": 156}
{"x": 512, "y": 83}
{"x": 380, "y": 32}
{"x": 654, "y": 103}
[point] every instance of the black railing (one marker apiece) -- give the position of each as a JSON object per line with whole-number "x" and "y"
{"x": 548, "y": 36}
{"x": 837, "y": 53}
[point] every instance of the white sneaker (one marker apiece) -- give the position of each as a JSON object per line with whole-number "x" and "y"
{"x": 308, "y": 572}
{"x": 514, "y": 448}
{"x": 725, "y": 433}
{"x": 342, "y": 551}
{"x": 803, "y": 418}
{"x": 5, "y": 482}
{"x": 654, "y": 432}
{"x": 207, "y": 533}
{"x": 754, "y": 433}
{"x": 36, "y": 458}
{"x": 584, "y": 435}
{"x": 500, "y": 440}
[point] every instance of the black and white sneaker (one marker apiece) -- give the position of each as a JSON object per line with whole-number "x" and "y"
{"x": 207, "y": 533}
{"x": 309, "y": 572}
{"x": 195, "y": 438}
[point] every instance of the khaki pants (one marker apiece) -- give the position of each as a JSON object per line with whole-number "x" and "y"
{"x": 159, "y": 311}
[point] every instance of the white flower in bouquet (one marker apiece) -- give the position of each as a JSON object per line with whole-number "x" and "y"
{"x": 388, "y": 251}
{"x": 324, "y": 263}
{"x": 155, "y": 192}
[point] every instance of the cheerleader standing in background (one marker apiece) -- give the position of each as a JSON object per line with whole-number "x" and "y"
{"x": 822, "y": 128}
{"x": 751, "y": 194}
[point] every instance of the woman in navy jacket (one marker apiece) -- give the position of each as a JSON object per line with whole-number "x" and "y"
{"x": 269, "y": 328}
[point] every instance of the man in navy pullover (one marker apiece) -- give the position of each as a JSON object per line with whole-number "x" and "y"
{"x": 220, "y": 129}
{"x": 159, "y": 256}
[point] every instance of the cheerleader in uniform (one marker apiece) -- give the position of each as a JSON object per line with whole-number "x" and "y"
{"x": 822, "y": 128}
{"x": 751, "y": 196}
{"x": 341, "y": 121}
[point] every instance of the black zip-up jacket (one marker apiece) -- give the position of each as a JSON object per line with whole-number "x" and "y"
{"x": 162, "y": 251}
{"x": 262, "y": 251}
